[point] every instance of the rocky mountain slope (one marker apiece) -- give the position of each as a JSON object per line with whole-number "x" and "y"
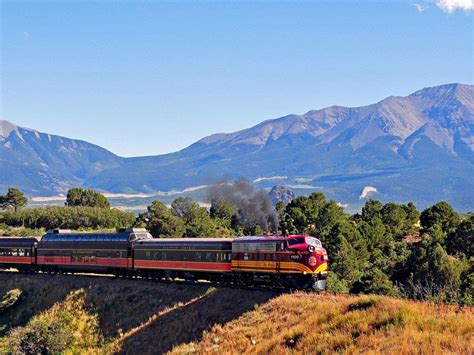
{"x": 42, "y": 163}
{"x": 419, "y": 147}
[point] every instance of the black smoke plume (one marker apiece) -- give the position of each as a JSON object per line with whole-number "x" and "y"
{"x": 253, "y": 206}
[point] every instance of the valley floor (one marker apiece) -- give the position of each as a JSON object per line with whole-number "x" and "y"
{"x": 138, "y": 316}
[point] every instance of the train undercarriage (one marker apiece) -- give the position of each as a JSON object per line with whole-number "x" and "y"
{"x": 244, "y": 279}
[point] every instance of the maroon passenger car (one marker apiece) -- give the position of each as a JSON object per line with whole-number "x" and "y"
{"x": 61, "y": 250}
{"x": 18, "y": 253}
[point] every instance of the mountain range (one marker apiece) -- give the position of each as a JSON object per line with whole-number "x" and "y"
{"x": 416, "y": 148}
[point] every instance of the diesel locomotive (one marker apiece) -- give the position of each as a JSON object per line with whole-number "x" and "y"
{"x": 294, "y": 261}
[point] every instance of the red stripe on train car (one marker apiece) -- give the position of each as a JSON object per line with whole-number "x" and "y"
{"x": 66, "y": 260}
{"x": 182, "y": 265}
{"x": 16, "y": 259}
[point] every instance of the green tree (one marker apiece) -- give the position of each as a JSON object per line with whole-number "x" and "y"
{"x": 394, "y": 218}
{"x": 224, "y": 212}
{"x": 328, "y": 215}
{"x": 461, "y": 241}
{"x": 436, "y": 274}
{"x": 301, "y": 214}
{"x": 347, "y": 254}
{"x": 296, "y": 217}
{"x": 446, "y": 270}
{"x": 86, "y": 198}
{"x": 14, "y": 199}
{"x": 197, "y": 221}
{"x": 160, "y": 222}
{"x": 372, "y": 209}
{"x": 375, "y": 281}
{"x": 441, "y": 214}
{"x": 375, "y": 235}
{"x": 412, "y": 219}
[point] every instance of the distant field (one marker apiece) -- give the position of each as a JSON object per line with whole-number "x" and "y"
{"x": 137, "y": 203}
{"x": 138, "y": 316}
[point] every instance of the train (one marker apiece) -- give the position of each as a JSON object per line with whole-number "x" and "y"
{"x": 292, "y": 261}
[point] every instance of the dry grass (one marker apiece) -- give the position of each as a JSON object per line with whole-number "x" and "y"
{"x": 137, "y": 316}
{"x": 325, "y": 323}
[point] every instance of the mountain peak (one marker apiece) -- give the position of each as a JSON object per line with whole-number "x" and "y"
{"x": 6, "y": 128}
{"x": 453, "y": 90}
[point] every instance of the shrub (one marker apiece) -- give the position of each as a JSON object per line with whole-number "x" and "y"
{"x": 64, "y": 327}
{"x": 10, "y": 299}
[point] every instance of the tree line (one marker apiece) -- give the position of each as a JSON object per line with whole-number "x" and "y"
{"x": 390, "y": 249}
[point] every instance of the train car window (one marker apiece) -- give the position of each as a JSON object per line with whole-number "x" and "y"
{"x": 2, "y": 252}
{"x": 21, "y": 252}
{"x": 164, "y": 255}
{"x": 148, "y": 255}
{"x": 198, "y": 256}
{"x": 208, "y": 256}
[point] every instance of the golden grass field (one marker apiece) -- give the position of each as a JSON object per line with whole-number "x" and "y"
{"x": 137, "y": 316}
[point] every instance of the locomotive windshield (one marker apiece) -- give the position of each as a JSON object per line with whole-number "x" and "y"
{"x": 296, "y": 241}
{"x": 313, "y": 241}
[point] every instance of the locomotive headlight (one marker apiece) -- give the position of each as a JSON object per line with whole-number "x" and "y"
{"x": 312, "y": 261}
{"x": 311, "y": 248}
{"x": 325, "y": 257}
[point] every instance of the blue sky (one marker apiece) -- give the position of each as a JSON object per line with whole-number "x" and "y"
{"x": 151, "y": 77}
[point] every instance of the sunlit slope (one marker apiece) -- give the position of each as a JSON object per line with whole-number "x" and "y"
{"x": 138, "y": 316}
{"x": 326, "y": 323}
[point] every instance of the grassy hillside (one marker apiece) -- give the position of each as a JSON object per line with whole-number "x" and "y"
{"x": 84, "y": 314}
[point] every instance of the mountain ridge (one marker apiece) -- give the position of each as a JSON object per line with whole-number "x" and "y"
{"x": 393, "y": 144}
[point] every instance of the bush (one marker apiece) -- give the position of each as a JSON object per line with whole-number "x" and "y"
{"x": 374, "y": 281}
{"x": 334, "y": 284}
{"x": 64, "y": 327}
{"x": 10, "y": 299}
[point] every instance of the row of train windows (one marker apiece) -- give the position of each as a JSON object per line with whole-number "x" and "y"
{"x": 96, "y": 253}
{"x": 190, "y": 247}
{"x": 86, "y": 238}
{"x": 188, "y": 256}
{"x": 83, "y": 259}
{"x": 15, "y": 252}
{"x": 259, "y": 257}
